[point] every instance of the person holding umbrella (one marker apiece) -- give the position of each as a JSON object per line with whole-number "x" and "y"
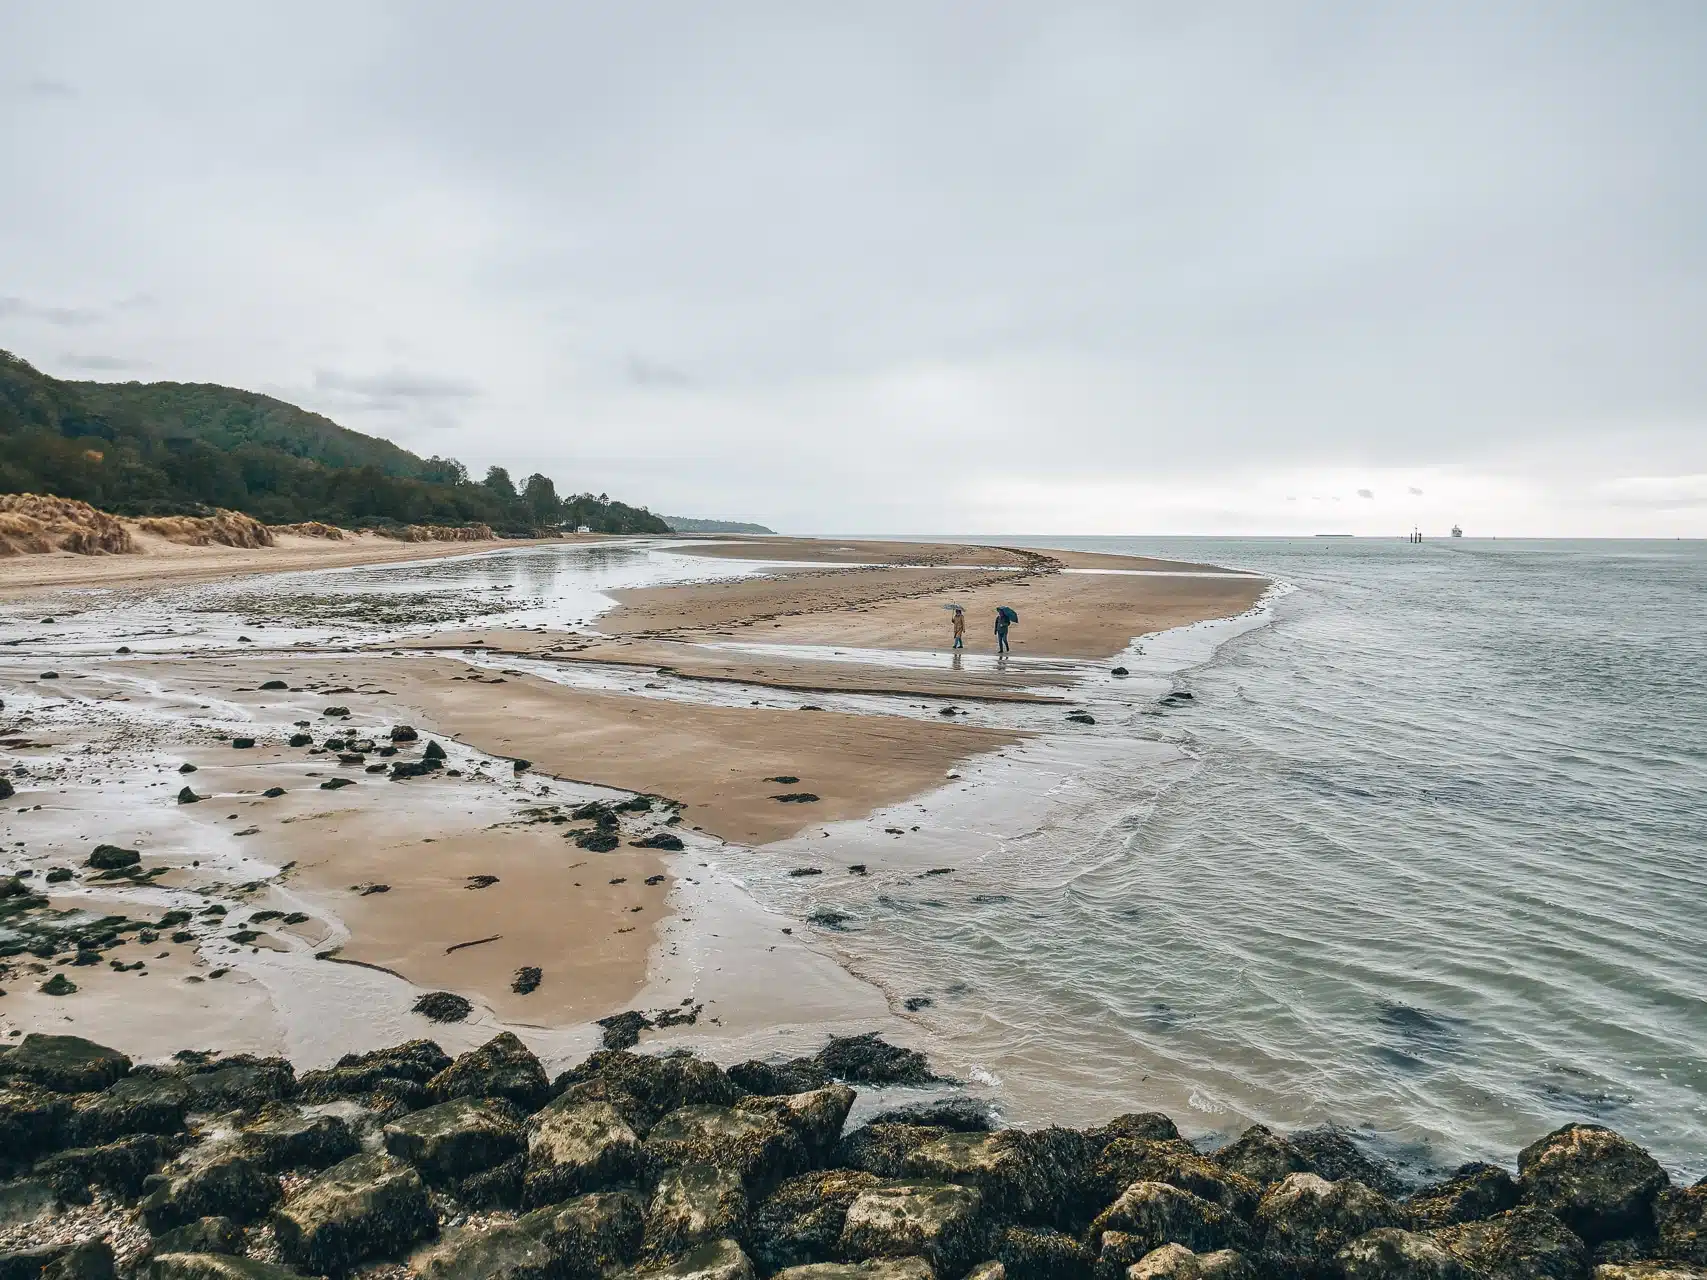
{"x": 1004, "y": 618}
{"x": 959, "y": 627}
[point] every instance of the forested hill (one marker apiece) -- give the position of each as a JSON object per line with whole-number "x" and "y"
{"x": 180, "y": 448}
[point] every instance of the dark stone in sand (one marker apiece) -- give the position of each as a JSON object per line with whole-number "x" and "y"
{"x": 57, "y": 875}
{"x": 6, "y": 790}
{"x": 48, "y": 675}
{"x": 65, "y": 1064}
{"x": 336, "y": 712}
{"x": 351, "y": 757}
{"x": 332, "y": 784}
{"x": 1597, "y": 1182}
{"x": 503, "y": 1067}
{"x": 13, "y": 887}
{"x": 242, "y": 743}
{"x": 433, "y": 752}
{"x": 1474, "y": 1190}
{"x": 403, "y": 733}
{"x": 857, "y": 869}
{"x": 597, "y": 841}
{"x": 659, "y": 840}
{"x": 274, "y": 684}
{"x": 869, "y": 1059}
{"x": 186, "y": 767}
{"x": 1081, "y": 717}
{"x": 521, "y": 766}
{"x": 796, "y": 797}
{"x": 828, "y": 919}
{"x": 186, "y": 796}
{"x": 622, "y": 1030}
{"x": 369, "y": 1206}
{"x": 204, "y": 1235}
{"x": 273, "y": 793}
{"x": 786, "y": 779}
{"x": 798, "y": 872}
{"x": 443, "y": 1006}
{"x": 1119, "y": 671}
{"x": 226, "y": 1185}
{"x": 301, "y": 740}
{"x": 401, "y": 769}
{"x": 109, "y": 857}
{"x": 526, "y": 981}
{"x": 913, "y": 1004}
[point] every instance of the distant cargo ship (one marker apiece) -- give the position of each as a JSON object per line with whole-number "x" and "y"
{"x": 1457, "y": 532}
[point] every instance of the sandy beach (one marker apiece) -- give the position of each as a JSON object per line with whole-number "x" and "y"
{"x": 758, "y": 711}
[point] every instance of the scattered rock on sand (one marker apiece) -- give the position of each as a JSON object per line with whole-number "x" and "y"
{"x": 443, "y": 1006}
{"x": 109, "y": 857}
{"x": 527, "y": 980}
{"x": 333, "y": 784}
{"x": 301, "y": 740}
{"x": 796, "y": 797}
{"x": 622, "y": 1030}
{"x": 659, "y": 840}
{"x": 58, "y": 985}
{"x": 433, "y": 752}
{"x": 187, "y": 796}
{"x": 273, "y": 793}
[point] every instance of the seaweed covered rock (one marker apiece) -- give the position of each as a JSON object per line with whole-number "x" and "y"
{"x": 941, "y": 1222}
{"x": 369, "y": 1206}
{"x": 1176, "y": 1262}
{"x": 801, "y": 1221}
{"x": 693, "y": 1205}
{"x": 507, "y": 1251}
{"x": 1308, "y": 1219}
{"x": 645, "y": 1089}
{"x": 719, "y": 1260}
{"x": 872, "y": 1269}
{"x": 1649, "y": 1270}
{"x": 64, "y": 1064}
{"x": 756, "y": 1147}
{"x": 815, "y": 1117}
{"x": 30, "y": 1118}
{"x": 959, "y": 1114}
{"x": 1680, "y": 1215}
{"x": 372, "y": 1076}
{"x": 1333, "y": 1153}
{"x": 577, "y": 1147}
{"x": 1393, "y": 1254}
{"x": 503, "y": 1067}
{"x": 1124, "y": 1161}
{"x": 801, "y": 1075}
{"x": 1030, "y": 1177}
{"x": 1597, "y": 1182}
{"x": 591, "y": 1234}
{"x": 1141, "y": 1126}
{"x": 222, "y": 1185}
{"x": 204, "y": 1235}
{"x": 883, "y": 1148}
{"x": 214, "y": 1266}
{"x": 1263, "y": 1156}
{"x": 1520, "y": 1244}
{"x": 1154, "y": 1214}
{"x": 455, "y": 1139}
{"x": 1474, "y": 1191}
{"x": 869, "y": 1059}
{"x": 241, "y": 1082}
{"x": 284, "y": 1138}
{"x": 120, "y": 1167}
{"x": 136, "y": 1104}
{"x": 1042, "y": 1253}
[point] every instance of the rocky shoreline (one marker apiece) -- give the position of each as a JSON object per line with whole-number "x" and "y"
{"x": 405, "y": 1162}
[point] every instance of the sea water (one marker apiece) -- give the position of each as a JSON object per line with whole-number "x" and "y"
{"x": 1425, "y": 856}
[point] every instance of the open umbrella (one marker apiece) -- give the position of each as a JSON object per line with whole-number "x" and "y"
{"x": 1012, "y": 615}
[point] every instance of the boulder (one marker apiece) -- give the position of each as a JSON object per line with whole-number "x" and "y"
{"x": 874, "y": 1269}
{"x": 1156, "y": 1213}
{"x": 883, "y": 1148}
{"x": 815, "y": 1117}
{"x": 136, "y": 1104}
{"x": 30, "y": 1118}
{"x": 455, "y": 1139}
{"x": 359, "y": 1076}
{"x": 801, "y": 1221}
{"x": 85, "y": 1260}
{"x": 1308, "y": 1219}
{"x": 241, "y": 1082}
{"x": 1029, "y": 1177}
{"x": 719, "y": 1260}
{"x": 645, "y": 1089}
{"x": 756, "y": 1147}
{"x": 693, "y": 1205}
{"x": 1042, "y": 1253}
{"x": 1649, "y": 1271}
{"x": 369, "y": 1206}
{"x": 64, "y": 1064}
{"x": 592, "y": 1235}
{"x": 204, "y": 1235}
{"x": 1263, "y": 1156}
{"x": 765, "y": 1079}
{"x": 222, "y": 1185}
{"x": 120, "y": 1167}
{"x": 283, "y": 1138}
{"x": 1521, "y": 1244}
{"x": 1392, "y": 1254}
{"x": 1175, "y": 1262}
{"x": 503, "y": 1067}
{"x": 213, "y": 1266}
{"x": 958, "y": 1114}
{"x": 1681, "y": 1218}
{"x": 939, "y": 1221}
{"x": 1474, "y": 1191}
{"x": 869, "y": 1059}
{"x": 1124, "y": 1161}
{"x": 573, "y": 1148}
{"x": 1334, "y": 1153}
{"x": 1143, "y": 1126}
{"x": 1598, "y": 1183}
{"x": 988, "y": 1271}
{"x": 507, "y": 1251}
{"x": 499, "y": 1187}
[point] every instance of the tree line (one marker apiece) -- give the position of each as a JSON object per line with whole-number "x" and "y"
{"x": 133, "y": 460}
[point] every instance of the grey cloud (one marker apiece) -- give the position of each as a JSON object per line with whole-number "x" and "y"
{"x": 1366, "y": 493}
{"x": 1414, "y": 491}
{"x": 650, "y": 373}
{"x": 25, "y": 309}
{"x": 46, "y": 87}
{"x": 396, "y": 386}
{"x": 100, "y": 363}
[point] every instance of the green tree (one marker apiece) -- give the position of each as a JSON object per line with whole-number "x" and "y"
{"x": 539, "y": 495}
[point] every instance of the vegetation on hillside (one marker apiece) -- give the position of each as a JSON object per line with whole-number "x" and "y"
{"x": 183, "y": 448}
{"x": 692, "y": 524}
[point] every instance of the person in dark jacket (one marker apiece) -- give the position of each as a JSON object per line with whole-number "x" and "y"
{"x": 1001, "y": 631}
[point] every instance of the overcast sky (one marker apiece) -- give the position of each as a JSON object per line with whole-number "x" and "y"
{"x": 913, "y": 267}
